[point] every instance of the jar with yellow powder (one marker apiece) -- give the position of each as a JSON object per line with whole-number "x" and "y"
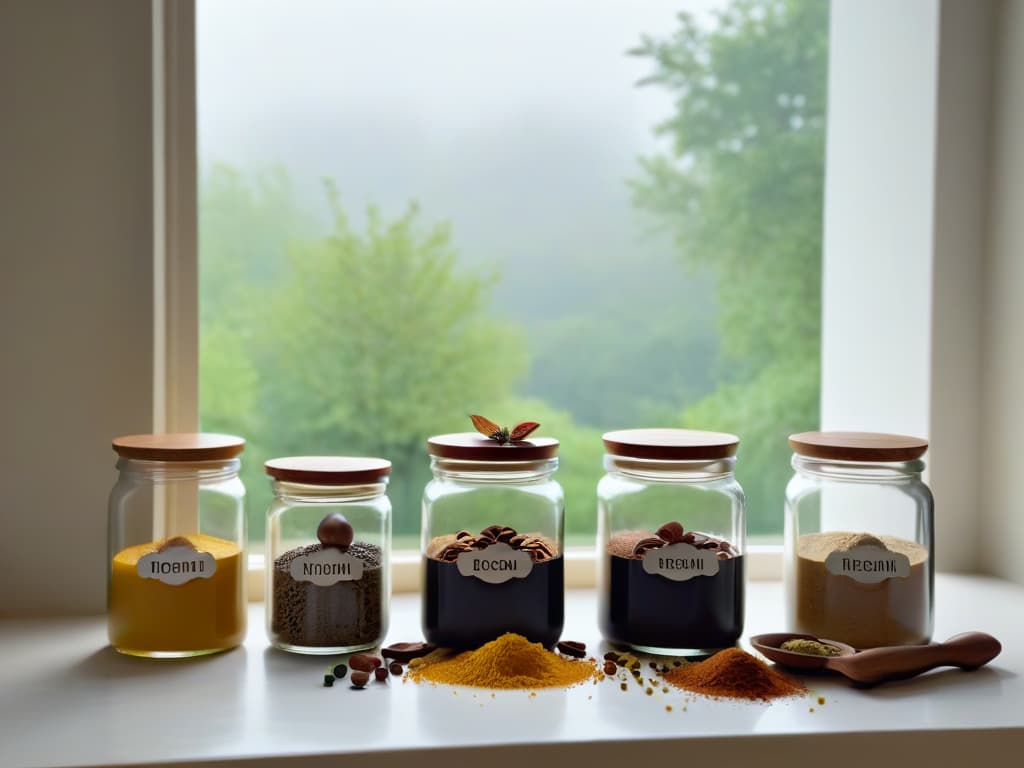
{"x": 859, "y": 563}
{"x": 176, "y": 583}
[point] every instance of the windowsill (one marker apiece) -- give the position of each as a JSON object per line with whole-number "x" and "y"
{"x": 68, "y": 700}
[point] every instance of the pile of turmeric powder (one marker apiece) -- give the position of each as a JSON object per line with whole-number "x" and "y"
{"x": 511, "y": 661}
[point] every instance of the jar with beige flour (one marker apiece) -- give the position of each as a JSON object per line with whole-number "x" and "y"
{"x": 859, "y": 564}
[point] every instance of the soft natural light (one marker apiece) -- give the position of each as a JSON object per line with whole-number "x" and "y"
{"x": 568, "y": 212}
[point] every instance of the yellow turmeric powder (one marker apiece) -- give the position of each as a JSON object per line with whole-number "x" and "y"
{"x": 511, "y": 661}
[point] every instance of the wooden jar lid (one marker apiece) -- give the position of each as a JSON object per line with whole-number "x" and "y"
{"x": 858, "y": 446}
{"x": 670, "y": 444}
{"x": 179, "y": 446}
{"x": 470, "y": 446}
{"x": 328, "y": 470}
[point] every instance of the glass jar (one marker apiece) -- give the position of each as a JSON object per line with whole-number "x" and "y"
{"x": 671, "y": 539}
{"x": 859, "y": 563}
{"x": 176, "y": 583}
{"x": 493, "y": 520}
{"x": 328, "y": 549}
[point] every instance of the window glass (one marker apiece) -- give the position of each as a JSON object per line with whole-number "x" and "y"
{"x": 594, "y": 215}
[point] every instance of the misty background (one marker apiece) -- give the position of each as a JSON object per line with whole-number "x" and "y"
{"x": 520, "y": 130}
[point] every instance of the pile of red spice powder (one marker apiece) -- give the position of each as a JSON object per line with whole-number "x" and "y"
{"x": 734, "y": 674}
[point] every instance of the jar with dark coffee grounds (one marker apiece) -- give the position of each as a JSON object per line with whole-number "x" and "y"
{"x": 492, "y": 541}
{"x": 328, "y": 542}
{"x": 671, "y": 530}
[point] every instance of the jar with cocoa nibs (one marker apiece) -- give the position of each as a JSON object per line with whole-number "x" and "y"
{"x": 859, "y": 533}
{"x": 670, "y": 541}
{"x": 328, "y": 543}
{"x": 493, "y": 521}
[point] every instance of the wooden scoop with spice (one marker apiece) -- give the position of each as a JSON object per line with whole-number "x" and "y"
{"x": 968, "y": 651}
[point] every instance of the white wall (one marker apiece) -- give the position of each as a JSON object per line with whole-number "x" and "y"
{"x": 1002, "y": 551}
{"x": 76, "y": 295}
{"x": 905, "y": 225}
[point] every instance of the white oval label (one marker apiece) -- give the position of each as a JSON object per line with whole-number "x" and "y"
{"x": 326, "y": 566}
{"x": 176, "y": 565}
{"x": 495, "y": 564}
{"x": 681, "y": 561}
{"x": 868, "y": 564}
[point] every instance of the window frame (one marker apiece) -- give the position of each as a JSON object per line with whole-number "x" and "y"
{"x": 930, "y": 57}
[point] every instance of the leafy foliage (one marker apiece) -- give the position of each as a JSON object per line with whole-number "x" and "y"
{"x": 741, "y": 190}
{"x": 366, "y": 343}
{"x": 367, "y": 339}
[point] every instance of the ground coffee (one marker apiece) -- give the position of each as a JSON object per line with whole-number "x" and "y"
{"x": 344, "y": 614}
{"x": 894, "y": 611}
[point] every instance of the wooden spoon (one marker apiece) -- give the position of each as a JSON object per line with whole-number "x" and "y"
{"x": 969, "y": 650}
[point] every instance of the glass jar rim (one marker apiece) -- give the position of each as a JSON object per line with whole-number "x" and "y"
{"x": 863, "y": 469}
{"x": 493, "y": 471}
{"x": 667, "y": 470}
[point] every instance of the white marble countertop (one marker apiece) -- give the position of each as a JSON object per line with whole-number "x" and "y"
{"x": 67, "y": 699}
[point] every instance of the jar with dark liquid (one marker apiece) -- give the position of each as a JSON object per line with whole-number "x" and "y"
{"x": 492, "y": 541}
{"x": 671, "y": 529}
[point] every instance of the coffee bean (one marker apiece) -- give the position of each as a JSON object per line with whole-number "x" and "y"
{"x": 364, "y": 662}
{"x": 612, "y": 656}
{"x": 360, "y": 678}
{"x": 644, "y": 546}
{"x": 610, "y": 668}
{"x": 569, "y": 648}
{"x": 395, "y": 669}
{"x": 381, "y": 673}
{"x": 671, "y": 532}
{"x": 340, "y": 671}
{"x": 335, "y": 531}
{"x": 406, "y": 652}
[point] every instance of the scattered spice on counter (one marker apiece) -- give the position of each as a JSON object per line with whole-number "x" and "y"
{"x": 809, "y": 647}
{"x": 734, "y": 674}
{"x": 511, "y": 661}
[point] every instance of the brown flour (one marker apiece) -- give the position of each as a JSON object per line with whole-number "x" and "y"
{"x": 893, "y": 612}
